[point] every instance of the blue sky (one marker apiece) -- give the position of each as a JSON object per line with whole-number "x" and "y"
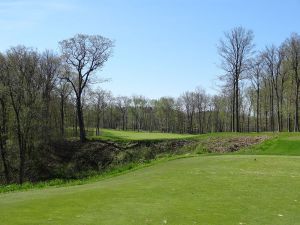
{"x": 163, "y": 47}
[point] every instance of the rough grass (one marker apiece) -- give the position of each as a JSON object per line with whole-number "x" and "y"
{"x": 225, "y": 189}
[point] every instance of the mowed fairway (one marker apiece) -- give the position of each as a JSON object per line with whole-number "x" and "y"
{"x": 119, "y": 135}
{"x": 227, "y": 189}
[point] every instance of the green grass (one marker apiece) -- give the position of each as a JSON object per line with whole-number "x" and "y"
{"x": 280, "y": 144}
{"x": 119, "y": 135}
{"x": 211, "y": 190}
{"x": 258, "y": 185}
{"x": 92, "y": 177}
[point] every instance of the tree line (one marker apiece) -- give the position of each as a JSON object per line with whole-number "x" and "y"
{"x": 36, "y": 89}
{"x": 269, "y": 78}
{"x": 48, "y": 96}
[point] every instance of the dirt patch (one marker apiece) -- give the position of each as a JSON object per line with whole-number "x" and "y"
{"x": 232, "y": 144}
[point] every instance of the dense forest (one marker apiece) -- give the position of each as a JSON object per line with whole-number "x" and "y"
{"x": 48, "y": 96}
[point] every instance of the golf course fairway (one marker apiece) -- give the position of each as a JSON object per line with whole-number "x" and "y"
{"x": 220, "y": 190}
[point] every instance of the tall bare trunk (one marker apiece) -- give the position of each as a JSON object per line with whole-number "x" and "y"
{"x": 233, "y": 109}
{"x": 82, "y": 134}
{"x": 62, "y": 115}
{"x": 237, "y": 110}
{"x": 257, "y": 110}
{"x": 3, "y": 140}
{"x": 296, "y": 125}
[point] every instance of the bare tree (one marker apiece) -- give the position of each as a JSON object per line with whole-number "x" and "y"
{"x": 200, "y": 97}
{"x": 273, "y": 58}
{"x": 255, "y": 77}
{"x": 293, "y": 55}
{"x": 122, "y": 104}
{"x": 188, "y": 101}
{"x": 24, "y": 84}
{"x": 100, "y": 103}
{"x": 49, "y": 70}
{"x": 138, "y": 109}
{"x": 85, "y": 54}
{"x": 164, "y": 109}
{"x": 4, "y": 104}
{"x": 235, "y": 50}
{"x": 63, "y": 89}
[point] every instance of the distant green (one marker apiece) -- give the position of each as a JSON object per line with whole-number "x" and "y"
{"x": 119, "y": 135}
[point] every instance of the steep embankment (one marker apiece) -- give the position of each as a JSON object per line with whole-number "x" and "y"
{"x": 72, "y": 159}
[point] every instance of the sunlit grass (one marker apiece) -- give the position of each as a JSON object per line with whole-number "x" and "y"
{"x": 119, "y": 135}
{"x": 227, "y": 189}
{"x": 257, "y": 185}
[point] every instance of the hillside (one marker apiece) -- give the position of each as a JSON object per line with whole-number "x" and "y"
{"x": 255, "y": 185}
{"x": 211, "y": 190}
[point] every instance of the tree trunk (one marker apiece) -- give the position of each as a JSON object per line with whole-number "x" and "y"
{"x": 98, "y": 123}
{"x": 296, "y": 126}
{"x": 46, "y": 116}
{"x": 272, "y": 121}
{"x": 281, "y": 114}
{"x": 4, "y": 161}
{"x": 204, "y": 121}
{"x": 3, "y": 141}
{"x": 266, "y": 120}
{"x": 111, "y": 118}
{"x": 233, "y": 109}
{"x": 191, "y": 124}
{"x": 289, "y": 122}
{"x": 20, "y": 137}
{"x": 257, "y": 110}
{"x": 237, "y": 113}
{"x": 62, "y": 115}
{"x": 126, "y": 122}
{"x": 248, "y": 121}
{"x": 123, "y": 121}
{"x": 278, "y": 111}
{"x": 82, "y": 134}
{"x": 21, "y": 150}
{"x": 199, "y": 120}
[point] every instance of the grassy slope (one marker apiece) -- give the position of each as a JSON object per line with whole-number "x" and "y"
{"x": 200, "y": 190}
{"x": 281, "y": 144}
{"x": 226, "y": 189}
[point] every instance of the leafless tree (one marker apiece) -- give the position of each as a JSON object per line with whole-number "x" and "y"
{"x": 200, "y": 102}
{"x": 293, "y": 55}
{"x": 100, "y": 103}
{"x": 273, "y": 58}
{"x": 63, "y": 89}
{"x": 188, "y": 101}
{"x": 123, "y": 104}
{"x": 85, "y": 54}
{"x": 255, "y": 76}
{"x": 4, "y": 104}
{"x": 49, "y": 71}
{"x": 235, "y": 50}
{"x": 24, "y": 84}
